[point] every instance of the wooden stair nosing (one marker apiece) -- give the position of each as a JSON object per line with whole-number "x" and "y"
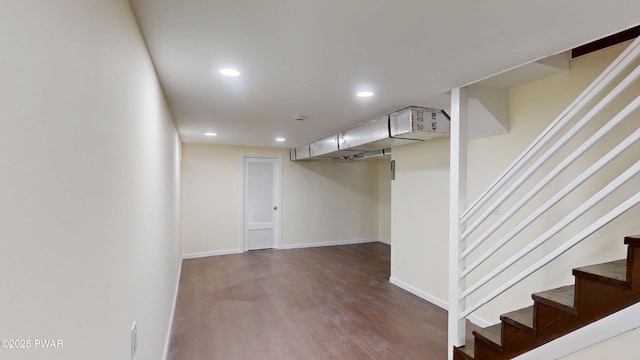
{"x": 521, "y": 319}
{"x": 612, "y": 273}
{"x": 491, "y": 336}
{"x": 633, "y": 240}
{"x": 562, "y": 298}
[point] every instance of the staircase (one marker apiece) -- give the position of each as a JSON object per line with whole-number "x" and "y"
{"x": 600, "y": 290}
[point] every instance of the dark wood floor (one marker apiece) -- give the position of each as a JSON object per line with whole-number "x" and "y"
{"x": 320, "y": 303}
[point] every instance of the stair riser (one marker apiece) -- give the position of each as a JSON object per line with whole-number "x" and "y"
{"x": 459, "y": 355}
{"x": 484, "y": 351}
{"x": 551, "y": 322}
{"x": 633, "y": 266}
{"x": 514, "y": 338}
{"x": 595, "y": 300}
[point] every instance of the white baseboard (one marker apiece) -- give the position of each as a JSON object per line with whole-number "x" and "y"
{"x": 385, "y": 241}
{"x": 210, "y": 253}
{"x": 328, "y": 243}
{"x": 171, "y": 316}
{"x": 287, "y": 246}
{"x": 435, "y": 300}
{"x": 419, "y": 293}
{"x": 478, "y": 321}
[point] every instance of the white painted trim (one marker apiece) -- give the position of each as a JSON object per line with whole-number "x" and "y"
{"x": 210, "y": 253}
{"x": 385, "y": 241}
{"x": 328, "y": 243}
{"x": 457, "y": 203}
{"x": 603, "y": 329}
{"x": 419, "y": 293}
{"x": 172, "y": 315}
{"x": 290, "y": 246}
{"x": 436, "y": 301}
{"x": 478, "y": 321}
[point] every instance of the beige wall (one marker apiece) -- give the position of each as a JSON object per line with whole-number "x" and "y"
{"x": 420, "y": 192}
{"x": 620, "y": 347}
{"x": 322, "y": 201}
{"x": 384, "y": 199}
{"x": 419, "y": 207}
{"x": 89, "y": 226}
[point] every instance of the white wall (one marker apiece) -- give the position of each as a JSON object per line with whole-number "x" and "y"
{"x": 322, "y": 201}
{"x": 420, "y": 192}
{"x": 89, "y": 191}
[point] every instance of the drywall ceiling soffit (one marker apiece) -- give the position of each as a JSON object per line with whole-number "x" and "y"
{"x": 548, "y": 66}
{"x": 489, "y": 98}
{"x": 488, "y": 111}
{"x": 310, "y": 57}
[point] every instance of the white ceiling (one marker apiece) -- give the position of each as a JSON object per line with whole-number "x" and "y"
{"x": 309, "y": 57}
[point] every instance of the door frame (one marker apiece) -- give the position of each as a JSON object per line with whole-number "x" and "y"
{"x": 277, "y": 195}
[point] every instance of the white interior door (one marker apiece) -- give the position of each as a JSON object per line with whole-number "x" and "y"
{"x": 261, "y": 203}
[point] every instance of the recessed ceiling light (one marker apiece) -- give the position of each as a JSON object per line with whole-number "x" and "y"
{"x": 365, "y": 93}
{"x": 229, "y": 72}
{"x": 210, "y": 134}
{"x": 280, "y": 139}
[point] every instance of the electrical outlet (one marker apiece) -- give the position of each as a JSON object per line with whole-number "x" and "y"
{"x": 134, "y": 339}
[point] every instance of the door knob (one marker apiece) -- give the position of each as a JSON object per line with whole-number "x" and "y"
{"x": 275, "y": 208}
